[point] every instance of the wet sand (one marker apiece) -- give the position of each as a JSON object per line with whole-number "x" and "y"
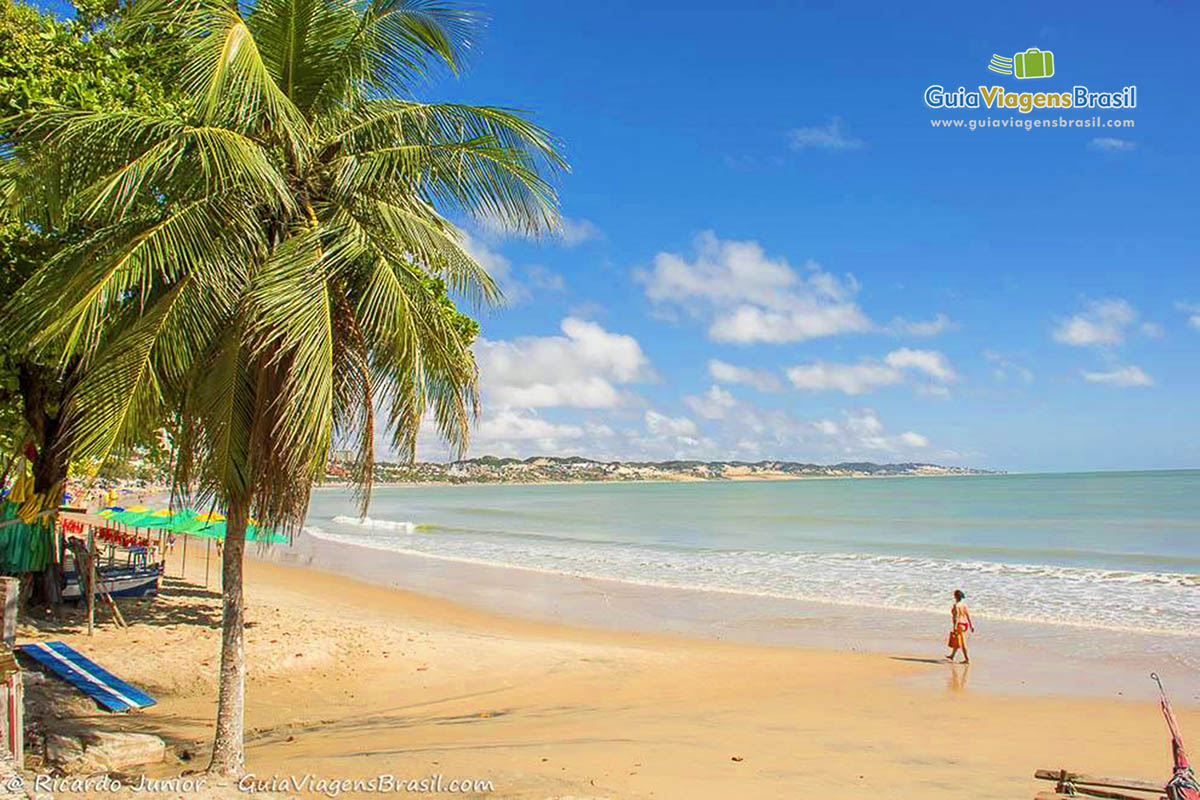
{"x": 353, "y": 680}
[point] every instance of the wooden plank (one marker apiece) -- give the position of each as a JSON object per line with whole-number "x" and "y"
{"x": 1082, "y": 779}
{"x": 118, "y": 617}
{"x": 1102, "y": 794}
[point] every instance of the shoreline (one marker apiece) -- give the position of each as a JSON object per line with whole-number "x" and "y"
{"x": 396, "y": 681}
{"x": 680, "y": 479}
{"x": 717, "y": 590}
{"x": 1116, "y": 660}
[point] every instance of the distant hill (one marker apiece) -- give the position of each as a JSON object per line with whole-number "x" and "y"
{"x": 577, "y": 469}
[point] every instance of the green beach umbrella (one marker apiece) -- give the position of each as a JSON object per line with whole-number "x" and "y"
{"x": 204, "y": 524}
{"x": 134, "y": 518}
{"x": 211, "y": 525}
{"x": 126, "y": 514}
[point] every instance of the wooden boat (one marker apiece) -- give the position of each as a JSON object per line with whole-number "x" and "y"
{"x": 134, "y": 580}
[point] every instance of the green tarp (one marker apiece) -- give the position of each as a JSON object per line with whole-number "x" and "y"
{"x": 23, "y": 547}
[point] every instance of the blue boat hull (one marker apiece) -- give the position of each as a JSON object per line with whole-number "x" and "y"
{"x": 140, "y": 581}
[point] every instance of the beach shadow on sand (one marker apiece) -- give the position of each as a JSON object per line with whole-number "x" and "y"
{"x": 171, "y": 607}
{"x": 915, "y": 660}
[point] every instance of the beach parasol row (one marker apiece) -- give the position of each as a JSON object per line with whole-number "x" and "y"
{"x": 207, "y": 524}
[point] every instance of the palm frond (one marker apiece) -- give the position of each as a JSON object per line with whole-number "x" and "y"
{"x": 215, "y": 456}
{"x": 224, "y": 72}
{"x": 290, "y": 329}
{"x": 392, "y": 47}
{"x": 491, "y": 163}
{"x": 71, "y": 298}
{"x": 127, "y": 392}
{"x": 413, "y": 237}
{"x": 354, "y": 397}
{"x": 109, "y": 161}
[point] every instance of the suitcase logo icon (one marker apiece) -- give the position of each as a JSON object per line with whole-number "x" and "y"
{"x": 1033, "y": 63}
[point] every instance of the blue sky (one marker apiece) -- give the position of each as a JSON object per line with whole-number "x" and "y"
{"x": 770, "y": 253}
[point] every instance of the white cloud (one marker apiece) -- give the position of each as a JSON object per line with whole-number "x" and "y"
{"x": 1008, "y": 368}
{"x": 869, "y": 375}
{"x": 760, "y": 379}
{"x": 1102, "y": 322}
{"x": 713, "y": 404}
{"x": 931, "y": 327}
{"x": 857, "y": 435}
{"x": 496, "y": 265}
{"x": 846, "y": 378}
{"x": 1111, "y": 144}
{"x": 824, "y": 137}
{"x": 1193, "y": 312}
{"x": 509, "y": 424}
{"x": 753, "y": 298}
{"x": 577, "y": 231}
{"x": 861, "y": 430}
{"x": 581, "y": 369}
{"x": 662, "y": 425}
{"x": 1152, "y": 330}
{"x": 1121, "y": 376}
{"x": 571, "y": 233}
{"x": 516, "y": 285}
{"x": 749, "y": 324}
{"x": 930, "y": 362}
{"x": 542, "y": 278}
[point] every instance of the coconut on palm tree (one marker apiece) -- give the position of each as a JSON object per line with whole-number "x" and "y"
{"x": 269, "y": 262}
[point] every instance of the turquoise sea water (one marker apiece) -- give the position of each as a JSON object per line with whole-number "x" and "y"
{"x": 1107, "y": 550}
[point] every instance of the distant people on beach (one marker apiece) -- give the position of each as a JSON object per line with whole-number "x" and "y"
{"x": 960, "y": 625}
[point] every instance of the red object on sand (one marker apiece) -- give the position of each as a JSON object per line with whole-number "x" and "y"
{"x": 1182, "y": 785}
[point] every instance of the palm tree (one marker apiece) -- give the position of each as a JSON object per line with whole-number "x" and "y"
{"x": 269, "y": 262}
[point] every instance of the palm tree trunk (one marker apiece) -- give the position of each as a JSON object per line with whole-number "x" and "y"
{"x": 42, "y": 391}
{"x": 229, "y": 754}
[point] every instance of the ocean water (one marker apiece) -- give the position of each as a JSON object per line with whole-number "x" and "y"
{"x": 1116, "y": 551}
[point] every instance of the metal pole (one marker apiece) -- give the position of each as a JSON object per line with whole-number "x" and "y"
{"x": 207, "y": 551}
{"x": 183, "y": 565}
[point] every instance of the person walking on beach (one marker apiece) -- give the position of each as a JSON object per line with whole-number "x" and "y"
{"x": 960, "y": 621}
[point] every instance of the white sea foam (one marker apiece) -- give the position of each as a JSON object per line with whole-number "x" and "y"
{"x": 1147, "y": 601}
{"x": 376, "y": 524}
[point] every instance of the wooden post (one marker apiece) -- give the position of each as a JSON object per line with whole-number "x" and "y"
{"x": 91, "y": 579}
{"x": 12, "y": 708}
{"x": 10, "y": 591}
{"x": 207, "y": 551}
{"x": 183, "y": 565}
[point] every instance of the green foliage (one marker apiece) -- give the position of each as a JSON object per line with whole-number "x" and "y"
{"x": 77, "y": 63}
{"x": 46, "y": 64}
{"x": 465, "y": 327}
{"x": 269, "y": 257}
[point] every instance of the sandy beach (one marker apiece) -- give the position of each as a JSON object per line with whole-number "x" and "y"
{"x": 353, "y": 680}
